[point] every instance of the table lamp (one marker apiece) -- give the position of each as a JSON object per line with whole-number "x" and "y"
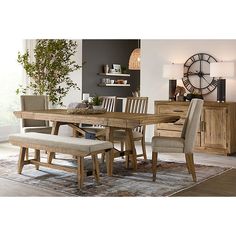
{"x": 173, "y": 72}
{"x": 221, "y": 70}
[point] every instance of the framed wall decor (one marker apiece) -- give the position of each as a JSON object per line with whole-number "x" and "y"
{"x": 117, "y": 68}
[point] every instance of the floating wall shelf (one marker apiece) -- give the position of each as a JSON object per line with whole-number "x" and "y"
{"x": 114, "y": 85}
{"x": 114, "y": 74}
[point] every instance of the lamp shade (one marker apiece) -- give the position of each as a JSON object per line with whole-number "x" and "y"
{"x": 134, "y": 60}
{"x": 222, "y": 69}
{"x": 173, "y": 71}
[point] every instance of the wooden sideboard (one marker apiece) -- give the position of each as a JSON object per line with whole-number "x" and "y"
{"x": 217, "y": 130}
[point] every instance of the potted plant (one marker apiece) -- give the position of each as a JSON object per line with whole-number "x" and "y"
{"x": 49, "y": 71}
{"x": 97, "y": 102}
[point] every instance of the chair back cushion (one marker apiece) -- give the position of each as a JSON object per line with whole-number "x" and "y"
{"x": 34, "y": 103}
{"x": 191, "y": 124}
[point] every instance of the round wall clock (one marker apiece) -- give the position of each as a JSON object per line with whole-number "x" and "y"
{"x": 197, "y": 74}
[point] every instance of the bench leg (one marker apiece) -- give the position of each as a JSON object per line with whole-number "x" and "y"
{"x": 96, "y": 171}
{"x": 80, "y": 161}
{"x": 37, "y": 157}
{"x": 109, "y": 162}
{"x": 21, "y": 159}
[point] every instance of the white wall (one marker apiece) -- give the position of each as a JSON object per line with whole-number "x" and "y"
{"x": 156, "y": 53}
{"x": 74, "y": 95}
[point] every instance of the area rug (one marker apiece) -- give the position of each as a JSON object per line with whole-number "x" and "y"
{"x": 171, "y": 177}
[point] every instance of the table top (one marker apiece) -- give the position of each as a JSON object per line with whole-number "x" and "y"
{"x": 111, "y": 119}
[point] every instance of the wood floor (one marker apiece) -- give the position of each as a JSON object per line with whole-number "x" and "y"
{"x": 9, "y": 188}
{"x": 207, "y": 188}
{"x": 223, "y": 185}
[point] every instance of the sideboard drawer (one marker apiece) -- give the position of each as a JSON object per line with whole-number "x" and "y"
{"x": 169, "y": 126}
{"x": 173, "y": 109}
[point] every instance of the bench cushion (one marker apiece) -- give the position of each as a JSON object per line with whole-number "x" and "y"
{"x": 85, "y": 146}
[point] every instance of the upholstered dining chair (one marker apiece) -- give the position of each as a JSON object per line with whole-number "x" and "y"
{"x": 134, "y": 105}
{"x": 183, "y": 144}
{"x": 34, "y": 103}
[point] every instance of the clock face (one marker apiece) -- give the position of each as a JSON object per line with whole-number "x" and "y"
{"x": 197, "y": 74}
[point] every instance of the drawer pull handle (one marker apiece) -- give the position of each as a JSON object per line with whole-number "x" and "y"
{"x": 178, "y": 111}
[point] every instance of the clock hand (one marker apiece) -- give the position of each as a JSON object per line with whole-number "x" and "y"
{"x": 205, "y": 79}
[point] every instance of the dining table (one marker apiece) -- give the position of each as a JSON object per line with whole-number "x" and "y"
{"x": 111, "y": 121}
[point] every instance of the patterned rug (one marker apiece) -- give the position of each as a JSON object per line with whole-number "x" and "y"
{"x": 171, "y": 177}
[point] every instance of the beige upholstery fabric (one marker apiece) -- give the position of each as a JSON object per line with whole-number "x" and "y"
{"x": 184, "y": 144}
{"x": 167, "y": 144}
{"x": 84, "y": 145}
{"x": 34, "y": 103}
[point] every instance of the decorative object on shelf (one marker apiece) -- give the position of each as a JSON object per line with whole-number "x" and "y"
{"x": 172, "y": 72}
{"x": 221, "y": 69}
{"x": 49, "y": 71}
{"x": 134, "y": 60}
{"x": 106, "y": 68}
{"x": 116, "y": 68}
{"x": 197, "y": 74}
{"x": 123, "y": 69}
{"x": 136, "y": 93}
{"x": 179, "y": 93}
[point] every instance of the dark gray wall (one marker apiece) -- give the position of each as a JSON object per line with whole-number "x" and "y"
{"x": 97, "y": 53}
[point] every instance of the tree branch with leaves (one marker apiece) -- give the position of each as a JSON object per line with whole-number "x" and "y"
{"x": 49, "y": 72}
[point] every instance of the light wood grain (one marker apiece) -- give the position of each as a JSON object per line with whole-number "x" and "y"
{"x": 216, "y": 133}
{"x": 111, "y": 120}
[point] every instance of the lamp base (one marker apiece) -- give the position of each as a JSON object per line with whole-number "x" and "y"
{"x": 172, "y": 88}
{"x": 221, "y": 90}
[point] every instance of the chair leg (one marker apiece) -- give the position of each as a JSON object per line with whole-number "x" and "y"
{"x": 37, "y": 157}
{"x": 154, "y": 166}
{"x": 26, "y": 154}
{"x": 96, "y": 171}
{"x": 80, "y": 174}
{"x": 187, "y": 163}
{"x": 103, "y": 157}
{"x": 144, "y": 149}
{"x": 191, "y": 166}
{"x": 21, "y": 159}
{"x": 122, "y": 144}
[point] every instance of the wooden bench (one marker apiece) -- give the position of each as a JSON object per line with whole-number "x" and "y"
{"x": 77, "y": 147}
